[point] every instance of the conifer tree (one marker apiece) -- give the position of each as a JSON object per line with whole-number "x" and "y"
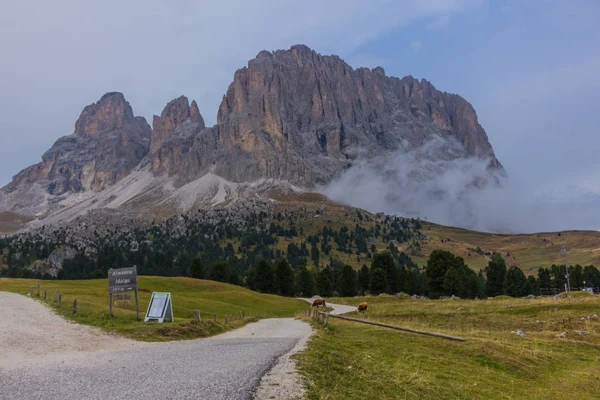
{"x": 196, "y": 268}
{"x": 496, "y": 275}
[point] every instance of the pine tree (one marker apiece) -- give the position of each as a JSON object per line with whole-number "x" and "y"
{"x": 515, "y": 282}
{"x": 264, "y": 277}
{"x": 325, "y": 283}
{"x": 196, "y": 268}
{"x": 363, "y": 279}
{"x": 544, "y": 278}
{"x": 496, "y": 275}
{"x": 437, "y": 265}
{"x": 219, "y": 272}
{"x": 533, "y": 286}
{"x": 284, "y": 278}
{"x": 347, "y": 282}
{"x": 314, "y": 255}
{"x": 591, "y": 276}
{"x": 234, "y": 278}
{"x": 306, "y": 282}
{"x": 378, "y": 281}
{"x": 385, "y": 261}
{"x": 453, "y": 284}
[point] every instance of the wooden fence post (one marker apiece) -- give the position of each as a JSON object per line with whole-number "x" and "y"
{"x": 59, "y": 299}
{"x": 215, "y": 318}
{"x": 137, "y": 307}
{"x": 75, "y": 306}
{"x": 197, "y": 315}
{"x": 226, "y": 319}
{"x": 31, "y": 290}
{"x": 38, "y": 290}
{"x": 326, "y": 319}
{"x": 45, "y": 293}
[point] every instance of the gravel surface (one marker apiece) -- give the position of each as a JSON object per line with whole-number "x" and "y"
{"x": 44, "y": 357}
{"x": 29, "y": 329}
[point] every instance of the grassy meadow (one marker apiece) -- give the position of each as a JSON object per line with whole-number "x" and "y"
{"x": 528, "y": 251}
{"x": 348, "y": 360}
{"x": 188, "y": 295}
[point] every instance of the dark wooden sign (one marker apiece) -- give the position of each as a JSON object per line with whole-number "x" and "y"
{"x": 122, "y": 280}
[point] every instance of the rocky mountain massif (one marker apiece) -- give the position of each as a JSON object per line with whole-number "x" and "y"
{"x": 291, "y": 119}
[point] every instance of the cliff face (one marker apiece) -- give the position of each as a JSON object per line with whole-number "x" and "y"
{"x": 175, "y": 113}
{"x": 108, "y": 142}
{"x": 298, "y": 116}
{"x": 290, "y": 115}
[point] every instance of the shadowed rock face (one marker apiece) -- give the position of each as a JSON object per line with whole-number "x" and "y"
{"x": 108, "y": 142}
{"x": 175, "y": 113}
{"x": 298, "y": 116}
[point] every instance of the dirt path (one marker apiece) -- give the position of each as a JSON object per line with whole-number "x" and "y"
{"x": 30, "y": 330}
{"x": 44, "y": 356}
{"x": 337, "y": 308}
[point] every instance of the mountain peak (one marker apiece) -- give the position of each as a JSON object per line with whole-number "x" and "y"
{"x": 175, "y": 113}
{"x": 112, "y": 111}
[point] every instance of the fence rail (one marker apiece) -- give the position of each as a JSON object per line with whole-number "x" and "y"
{"x": 326, "y": 315}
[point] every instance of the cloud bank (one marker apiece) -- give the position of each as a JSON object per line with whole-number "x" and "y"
{"x": 435, "y": 183}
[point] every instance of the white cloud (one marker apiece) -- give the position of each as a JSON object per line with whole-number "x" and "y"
{"x": 431, "y": 183}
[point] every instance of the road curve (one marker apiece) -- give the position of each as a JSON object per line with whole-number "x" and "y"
{"x": 337, "y": 308}
{"x": 53, "y": 359}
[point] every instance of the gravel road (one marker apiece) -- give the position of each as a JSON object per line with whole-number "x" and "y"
{"x": 337, "y": 308}
{"x": 44, "y": 357}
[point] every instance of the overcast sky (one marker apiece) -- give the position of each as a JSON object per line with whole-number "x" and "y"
{"x": 531, "y": 68}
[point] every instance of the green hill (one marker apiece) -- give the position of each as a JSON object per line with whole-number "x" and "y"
{"x": 528, "y": 251}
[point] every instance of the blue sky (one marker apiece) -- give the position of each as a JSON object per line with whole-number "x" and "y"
{"x": 530, "y": 68}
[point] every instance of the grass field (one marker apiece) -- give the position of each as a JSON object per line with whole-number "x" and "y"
{"x": 348, "y": 360}
{"x": 188, "y": 295}
{"x": 529, "y": 251}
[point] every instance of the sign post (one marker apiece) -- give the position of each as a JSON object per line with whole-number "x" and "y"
{"x": 122, "y": 280}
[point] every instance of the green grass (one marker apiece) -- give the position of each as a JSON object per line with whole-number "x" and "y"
{"x": 528, "y": 251}
{"x": 188, "y": 295}
{"x": 348, "y": 360}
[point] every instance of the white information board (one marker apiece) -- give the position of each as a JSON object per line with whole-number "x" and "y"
{"x": 160, "y": 307}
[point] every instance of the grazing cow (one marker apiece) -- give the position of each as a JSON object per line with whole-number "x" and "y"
{"x": 363, "y": 307}
{"x": 318, "y": 302}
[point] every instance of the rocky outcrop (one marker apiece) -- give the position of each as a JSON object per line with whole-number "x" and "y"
{"x": 108, "y": 142}
{"x": 291, "y": 116}
{"x": 54, "y": 263}
{"x": 297, "y": 116}
{"x": 175, "y": 113}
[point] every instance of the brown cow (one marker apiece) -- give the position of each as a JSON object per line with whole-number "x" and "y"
{"x": 318, "y": 302}
{"x": 363, "y": 307}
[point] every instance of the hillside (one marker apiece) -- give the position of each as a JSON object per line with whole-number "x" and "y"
{"x": 307, "y": 230}
{"x": 188, "y": 295}
{"x": 528, "y": 251}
